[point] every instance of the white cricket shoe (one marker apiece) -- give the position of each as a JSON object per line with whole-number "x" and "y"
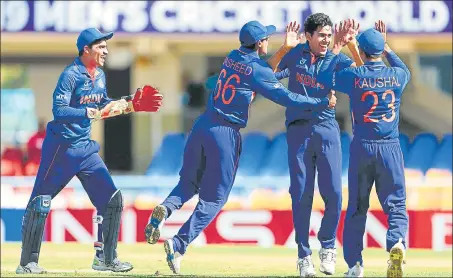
{"x": 355, "y": 271}
{"x": 306, "y": 267}
{"x": 328, "y": 259}
{"x": 152, "y": 230}
{"x": 397, "y": 260}
{"x": 173, "y": 258}
{"x": 30, "y": 268}
{"x": 115, "y": 266}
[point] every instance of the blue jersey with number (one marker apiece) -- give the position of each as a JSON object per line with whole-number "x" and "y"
{"x": 375, "y": 92}
{"x": 302, "y": 67}
{"x": 76, "y": 91}
{"x": 242, "y": 75}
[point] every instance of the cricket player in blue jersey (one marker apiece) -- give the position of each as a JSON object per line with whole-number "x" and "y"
{"x": 375, "y": 92}
{"x": 313, "y": 138}
{"x": 80, "y": 98}
{"x": 214, "y": 145}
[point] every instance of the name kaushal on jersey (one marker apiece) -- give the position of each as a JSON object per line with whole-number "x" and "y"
{"x": 379, "y": 82}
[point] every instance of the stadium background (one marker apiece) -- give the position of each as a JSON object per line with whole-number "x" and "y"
{"x": 176, "y": 46}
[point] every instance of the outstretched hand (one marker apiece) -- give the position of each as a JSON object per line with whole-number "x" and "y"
{"x": 293, "y": 38}
{"x": 346, "y": 31}
{"x": 353, "y": 30}
{"x": 380, "y": 26}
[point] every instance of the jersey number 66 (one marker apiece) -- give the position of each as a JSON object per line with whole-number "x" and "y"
{"x": 222, "y": 89}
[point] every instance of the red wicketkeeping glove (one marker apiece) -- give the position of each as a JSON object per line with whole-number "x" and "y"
{"x": 146, "y": 99}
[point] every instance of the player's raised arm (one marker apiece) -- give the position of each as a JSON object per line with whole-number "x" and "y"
{"x": 327, "y": 72}
{"x": 292, "y": 39}
{"x": 265, "y": 83}
{"x": 62, "y": 97}
{"x": 354, "y": 49}
{"x": 352, "y": 44}
{"x": 392, "y": 58}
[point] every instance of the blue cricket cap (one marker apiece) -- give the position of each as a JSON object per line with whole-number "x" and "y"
{"x": 253, "y": 31}
{"x": 90, "y": 35}
{"x": 371, "y": 42}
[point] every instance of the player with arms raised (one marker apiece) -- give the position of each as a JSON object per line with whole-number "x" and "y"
{"x": 375, "y": 92}
{"x": 214, "y": 145}
{"x": 313, "y": 138}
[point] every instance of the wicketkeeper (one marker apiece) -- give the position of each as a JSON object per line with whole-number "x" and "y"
{"x": 79, "y": 99}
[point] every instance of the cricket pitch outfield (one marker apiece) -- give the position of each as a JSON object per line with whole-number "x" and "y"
{"x": 74, "y": 259}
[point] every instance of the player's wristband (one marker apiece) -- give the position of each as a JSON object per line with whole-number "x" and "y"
{"x": 130, "y": 106}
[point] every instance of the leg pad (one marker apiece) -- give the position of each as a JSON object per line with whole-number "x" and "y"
{"x": 33, "y": 224}
{"x": 111, "y": 226}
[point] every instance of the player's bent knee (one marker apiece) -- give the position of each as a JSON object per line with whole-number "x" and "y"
{"x": 40, "y": 203}
{"x": 116, "y": 201}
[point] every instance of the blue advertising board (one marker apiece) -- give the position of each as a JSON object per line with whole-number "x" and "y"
{"x": 11, "y": 224}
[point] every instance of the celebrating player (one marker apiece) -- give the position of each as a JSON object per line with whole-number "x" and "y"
{"x": 214, "y": 145}
{"x": 313, "y": 137}
{"x": 80, "y": 98}
{"x": 375, "y": 92}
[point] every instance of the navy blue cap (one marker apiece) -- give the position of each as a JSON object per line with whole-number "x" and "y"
{"x": 253, "y": 31}
{"x": 371, "y": 42}
{"x": 90, "y": 35}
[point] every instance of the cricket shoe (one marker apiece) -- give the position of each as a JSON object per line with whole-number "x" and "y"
{"x": 355, "y": 271}
{"x": 152, "y": 230}
{"x": 328, "y": 257}
{"x": 397, "y": 260}
{"x": 173, "y": 258}
{"x": 306, "y": 267}
{"x": 115, "y": 266}
{"x": 30, "y": 268}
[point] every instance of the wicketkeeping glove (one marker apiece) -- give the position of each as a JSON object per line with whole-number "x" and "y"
{"x": 146, "y": 99}
{"x": 112, "y": 109}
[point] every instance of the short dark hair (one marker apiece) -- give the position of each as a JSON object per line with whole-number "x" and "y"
{"x": 252, "y": 46}
{"x": 313, "y": 21}
{"x": 91, "y": 45}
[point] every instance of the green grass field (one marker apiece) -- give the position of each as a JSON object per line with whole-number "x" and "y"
{"x": 71, "y": 259}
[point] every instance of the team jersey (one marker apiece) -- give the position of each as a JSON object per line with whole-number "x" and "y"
{"x": 302, "y": 67}
{"x": 75, "y": 91}
{"x": 375, "y": 92}
{"x": 242, "y": 75}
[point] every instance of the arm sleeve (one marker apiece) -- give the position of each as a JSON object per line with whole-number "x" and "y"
{"x": 343, "y": 80}
{"x": 344, "y": 62}
{"x": 340, "y": 80}
{"x": 327, "y": 69}
{"x": 62, "y": 97}
{"x": 402, "y": 69}
{"x": 282, "y": 74}
{"x": 264, "y": 82}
